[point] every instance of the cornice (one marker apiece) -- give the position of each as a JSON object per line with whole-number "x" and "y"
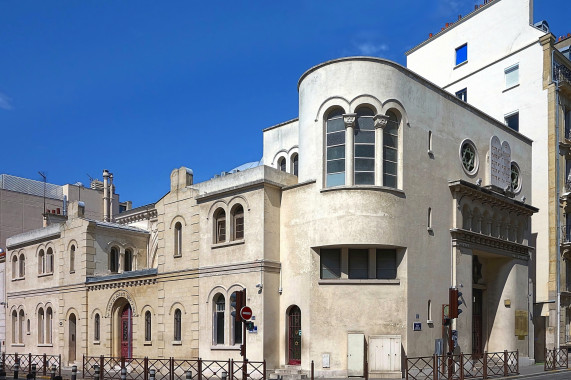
{"x": 501, "y": 247}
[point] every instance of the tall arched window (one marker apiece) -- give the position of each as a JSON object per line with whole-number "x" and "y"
{"x": 41, "y": 325}
{"x": 114, "y": 260}
{"x": 178, "y": 239}
{"x": 72, "y": 259}
{"x": 15, "y": 267}
{"x": 49, "y": 318}
{"x": 390, "y": 150}
{"x": 177, "y": 325}
{"x": 41, "y": 262}
{"x": 236, "y": 326}
{"x": 14, "y": 326}
{"x": 220, "y": 226}
{"x": 335, "y": 136}
{"x": 365, "y": 147}
{"x": 50, "y": 260}
{"x": 22, "y": 265}
{"x": 21, "y": 326}
{"x": 97, "y": 331}
{"x": 128, "y": 260}
{"x": 148, "y": 326}
{"x": 295, "y": 163}
{"x": 218, "y": 323}
{"x": 282, "y": 164}
{"x": 238, "y": 222}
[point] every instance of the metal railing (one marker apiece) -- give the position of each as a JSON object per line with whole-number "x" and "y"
{"x": 43, "y": 363}
{"x": 556, "y": 359}
{"x": 561, "y": 73}
{"x": 565, "y": 234}
{"x": 463, "y": 366}
{"x": 172, "y": 369}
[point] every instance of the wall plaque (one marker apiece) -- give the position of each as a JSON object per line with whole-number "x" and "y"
{"x": 500, "y": 163}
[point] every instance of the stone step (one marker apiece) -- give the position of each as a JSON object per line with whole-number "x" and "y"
{"x": 298, "y": 376}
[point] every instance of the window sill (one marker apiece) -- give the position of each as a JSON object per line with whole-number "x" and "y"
{"x": 364, "y": 187}
{"x": 220, "y": 347}
{"x": 460, "y": 65}
{"x": 18, "y": 345}
{"x": 360, "y": 282}
{"x": 96, "y": 342}
{"x": 71, "y": 272}
{"x": 147, "y": 343}
{"x": 176, "y": 342}
{"x": 227, "y": 244}
{"x": 45, "y": 345}
{"x": 19, "y": 279}
{"x": 177, "y": 256}
{"x": 45, "y": 274}
{"x": 429, "y": 229}
{"x": 509, "y": 88}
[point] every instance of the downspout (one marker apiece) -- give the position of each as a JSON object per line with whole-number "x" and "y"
{"x": 557, "y": 195}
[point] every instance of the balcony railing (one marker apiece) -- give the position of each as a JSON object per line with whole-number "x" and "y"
{"x": 562, "y": 74}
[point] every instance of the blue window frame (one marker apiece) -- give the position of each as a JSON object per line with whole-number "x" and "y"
{"x": 461, "y": 54}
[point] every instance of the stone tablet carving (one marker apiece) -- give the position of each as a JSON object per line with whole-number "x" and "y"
{"x": 500, "y": 163}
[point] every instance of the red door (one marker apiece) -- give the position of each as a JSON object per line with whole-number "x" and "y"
{"x": 294, "y": 336}
{"x": 127, "y": 332}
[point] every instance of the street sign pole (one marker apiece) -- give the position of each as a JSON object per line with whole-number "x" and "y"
{"x": 245, "y": 363}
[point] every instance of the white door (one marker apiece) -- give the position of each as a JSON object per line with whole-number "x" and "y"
{"x": 395, "y": 354}
{"x": 355, "y": 354}
{"x": 384, "y": 353}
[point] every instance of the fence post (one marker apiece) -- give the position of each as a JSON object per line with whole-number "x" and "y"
{"x": 59, "y": 364}
{"x": 366, "y": 369}
{"x": 101, "y": 366}
{"x": 146, "y": 368}
{"x": 505, "y": 362}
{"x": 406, "y": 367}
{"x": 45, "y": 366}
{"x": 199, "y": 368}
{"x": 245, "y": 369}
{"x": 83, "y": 366}
{"x": 545, "y": 361}
{"x": 264, "y": 367}
{"x": 485, "y": 369}
{"x": 3, "y": 361}
{"x": 122, "y": 362}
{"x": 231, "y": 369}
{"x": 461, "y": 366}
{"x": 517, "y": 361}
{"x": 567, "y": 357}
{"x": 171, "y": 368}
{"x": 312, "y": 370}
{"x": 29, "y": 362}
{"x": 16, "y": 368}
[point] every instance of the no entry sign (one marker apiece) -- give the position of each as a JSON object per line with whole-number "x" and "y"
{"x": 246, "y": 313}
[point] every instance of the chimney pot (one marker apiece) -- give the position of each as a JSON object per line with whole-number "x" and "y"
{"x": 447, "y": 24}
{"x": 429, "y": 35}
{"x": 459, "y": 17}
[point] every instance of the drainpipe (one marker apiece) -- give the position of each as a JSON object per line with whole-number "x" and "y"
{"x": 557, "y": 195}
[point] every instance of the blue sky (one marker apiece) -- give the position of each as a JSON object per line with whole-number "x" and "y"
{"x": 141, "y": 87}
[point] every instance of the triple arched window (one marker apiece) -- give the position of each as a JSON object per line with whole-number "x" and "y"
{"x": 222, "y": 225}
{"x": 361, "y": 148}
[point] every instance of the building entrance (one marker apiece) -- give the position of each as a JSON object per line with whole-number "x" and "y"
{"x": 294, "y": 336}
{"x": 477, "y": 322}
{"x": 72, "y": 338}
{"x": 127, "y": 332}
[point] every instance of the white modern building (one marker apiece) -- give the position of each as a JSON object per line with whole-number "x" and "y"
{"x": 499, "y": 59}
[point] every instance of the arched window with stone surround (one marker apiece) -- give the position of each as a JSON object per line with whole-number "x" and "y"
{"x": 364, "y": 143}
{"x": 97, "y": 330}
{"x": 178, "y": 239}
{"x": 220, "y": 226}
{"x": 238, "y": 222}
{"x": 22, "y": 266}
{"x": 177, "y": 325}
{"x": 41, "y": 325}
{"x": 148, "y": 326}
{"x": 72, "y": 259}
{"x": 390, "y": 149}
{"x": 114, "y": 260}
{"x": 335, "y": 148}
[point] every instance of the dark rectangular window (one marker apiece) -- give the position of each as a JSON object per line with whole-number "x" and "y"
{"x": 512, "y": 121}
{"x": 330, "y": 263}
{"x": 358, "y": 263}
{"x": 462, "y": 95}
{"x": 461, "y": 54}
{"x": 386, "y": 264}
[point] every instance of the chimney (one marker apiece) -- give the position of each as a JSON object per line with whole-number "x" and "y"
{"x": 111, "y": 193}
{"x": 105, "y": 195}
{"x": 181, "y": 178}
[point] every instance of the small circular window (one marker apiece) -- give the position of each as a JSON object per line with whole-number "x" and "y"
{"x": 469, "y": 157}
{"x": 515, "y": 177}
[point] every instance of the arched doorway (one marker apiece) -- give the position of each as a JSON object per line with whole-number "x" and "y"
{"x": 127, "y": 332}
{"x": 294, "y": 335}
{"x": 72, "y": 337}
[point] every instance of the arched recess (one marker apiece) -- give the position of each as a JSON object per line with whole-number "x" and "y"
{"x": 213, "y": 291}
{"x": 279, "y": 153}
{"x": 366, "y": 100}
{"x": 177, "y": 218}
{"x": 41, "y": 247}
{"x": 293, "y": 335}
{"x": 215, "y": 206}
{"x": 122, "y": 310}
{"x": 397, "y": 105}
{"x": 239, "y": 199}
{"x": 329, "y": 104}
{"x": 177, "y": 305}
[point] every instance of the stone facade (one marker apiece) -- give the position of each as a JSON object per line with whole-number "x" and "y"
{"x": 350, "y": 230}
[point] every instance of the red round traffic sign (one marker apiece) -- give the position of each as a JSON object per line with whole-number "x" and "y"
{"x": 246, "y": 313}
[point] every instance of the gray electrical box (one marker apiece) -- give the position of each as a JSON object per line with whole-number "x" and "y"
{"x": 438, "y": 346}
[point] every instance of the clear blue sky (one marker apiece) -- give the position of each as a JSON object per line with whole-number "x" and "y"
{"x": 141, "y": 87}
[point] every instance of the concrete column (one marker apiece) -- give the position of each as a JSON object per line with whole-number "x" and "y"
{"x": 349, "y": 120}
{"x": 380, "y": 123}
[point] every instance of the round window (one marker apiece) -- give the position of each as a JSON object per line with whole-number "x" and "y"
{"x": 469, "y": 157}
{"x": 515, "y": 177}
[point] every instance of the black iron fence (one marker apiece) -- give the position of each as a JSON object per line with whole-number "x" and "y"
{"x": 556, "y": 359}
{"x": 463, "y": 366}
{"x": 171, "y": 368}
{"x": 44, "y": 363}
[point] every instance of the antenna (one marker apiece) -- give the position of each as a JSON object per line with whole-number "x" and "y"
{"x": 90, "y": 178}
